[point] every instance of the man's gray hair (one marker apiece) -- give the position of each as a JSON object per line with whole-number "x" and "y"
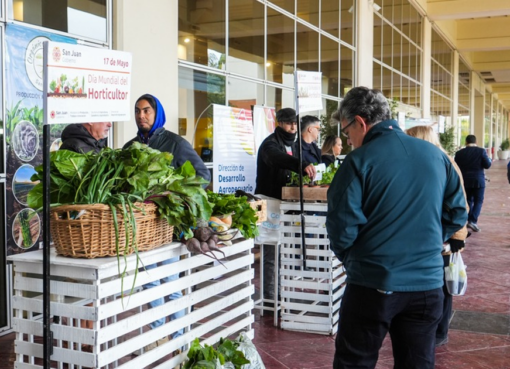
{"x": 368, "y": 103}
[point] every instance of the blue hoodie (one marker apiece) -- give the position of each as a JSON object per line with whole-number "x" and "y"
{"x": 159, "y": 121}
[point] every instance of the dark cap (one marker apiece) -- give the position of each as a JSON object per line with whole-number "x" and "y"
{"x": 286, "y": 115}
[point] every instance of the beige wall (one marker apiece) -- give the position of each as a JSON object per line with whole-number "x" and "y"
{"x": 149, "y": 31}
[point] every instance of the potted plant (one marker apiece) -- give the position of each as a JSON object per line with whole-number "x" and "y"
{"x": 503, "y": 151}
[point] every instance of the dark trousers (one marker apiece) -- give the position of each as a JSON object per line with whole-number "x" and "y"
{"x": 366, "y": 315}
{"x": 442, "y": 327}
{"x": 475, "y": 200}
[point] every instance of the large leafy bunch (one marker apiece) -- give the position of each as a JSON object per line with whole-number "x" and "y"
{"x": 244, "y": 217}
{"x": 207, "y": 357}
{"x": 123, "y": 177}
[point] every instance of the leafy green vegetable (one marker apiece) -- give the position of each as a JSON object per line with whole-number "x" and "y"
{"x": 206, "y": 357}
{"x": 328, "y": 175}
{"x": 120, "y": 178}
{"x": 244, "y": 217}
{"x": 294, "y": 179}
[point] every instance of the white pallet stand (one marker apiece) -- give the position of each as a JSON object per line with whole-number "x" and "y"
{"x": 310, "y": 298}
{"x": 217, "y": 299}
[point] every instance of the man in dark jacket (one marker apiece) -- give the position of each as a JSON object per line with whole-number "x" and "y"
{"x": 393, "y": 202}
{"x": 85, "y": 137}
{"x": 150, "y": 119}
{"x": 472, "y": 160}
{"x": 276, "y": 159}
{"x": 310, "y": 129}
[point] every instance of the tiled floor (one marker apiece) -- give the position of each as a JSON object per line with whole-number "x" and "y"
{"x": 480, "y": 329}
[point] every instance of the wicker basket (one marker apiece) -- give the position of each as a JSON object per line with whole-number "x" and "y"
{"x": 92, "y": 235}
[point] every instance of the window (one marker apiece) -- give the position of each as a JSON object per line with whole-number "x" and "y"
{"x": 82, "y": 18}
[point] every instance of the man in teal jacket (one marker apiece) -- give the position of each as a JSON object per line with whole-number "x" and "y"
{"x": 392, "y": 204}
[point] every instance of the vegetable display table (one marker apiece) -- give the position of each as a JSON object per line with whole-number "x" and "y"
{"x": 310, "y": 298}
{"x": 217, "y": 300}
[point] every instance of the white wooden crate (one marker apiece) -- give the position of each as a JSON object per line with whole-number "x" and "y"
{"x": 89, "y": 290}
{"x": 310, "y": 298}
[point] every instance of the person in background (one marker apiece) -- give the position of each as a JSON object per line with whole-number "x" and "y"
{"x": 472, "y": 160}
{"x": 508, "y": 171}
{"x": 276, "y": 159}
{"x": 85, "y": 137}
{"x": 392, "y": 203}
{"x": 331, "y": 148}
{"x": 310, "y": 129}
{"x": 150, "y": 120}
{"x": 456, "y": 242}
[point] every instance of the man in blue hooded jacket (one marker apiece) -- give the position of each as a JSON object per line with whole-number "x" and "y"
{"x": 150, "y": 119}
{"x": 392, "y": 204}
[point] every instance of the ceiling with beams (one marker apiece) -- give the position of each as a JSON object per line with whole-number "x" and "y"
{"x": 480, "y": 31}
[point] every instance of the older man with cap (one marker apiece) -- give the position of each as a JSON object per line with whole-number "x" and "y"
{"x": 276, "y": 160}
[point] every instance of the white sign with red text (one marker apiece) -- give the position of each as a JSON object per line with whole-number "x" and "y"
{"x": 85, "y": 84}
{"x": 234, "y": 160}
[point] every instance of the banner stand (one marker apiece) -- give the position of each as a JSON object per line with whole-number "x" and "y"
{"x": 308, "y": 90}
{"x": 103, "y": 95}
{"x": 47, "y": 333}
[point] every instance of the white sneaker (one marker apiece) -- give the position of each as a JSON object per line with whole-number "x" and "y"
{"x": 474, "y": 227}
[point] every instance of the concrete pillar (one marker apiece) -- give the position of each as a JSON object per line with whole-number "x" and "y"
{"x": 478, "y": 119}
{"x": 425, "y": 67}
{"x": 365, "y": 43}
{"x": 150, "y": 34}
{"x": 455, "y": 96}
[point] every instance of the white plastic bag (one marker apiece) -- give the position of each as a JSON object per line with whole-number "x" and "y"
{"x": 455, "y": 275}
{"x": 269, "y": 230}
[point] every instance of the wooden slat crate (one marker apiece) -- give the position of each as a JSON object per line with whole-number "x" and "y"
{"x": 89, "y": 290}
{"x": 309, "y": 193}
{"x": 310, "y": 298}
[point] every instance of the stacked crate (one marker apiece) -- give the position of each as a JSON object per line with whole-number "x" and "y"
{"x": 310, "y": 298}
{"x": 101, "y": 329}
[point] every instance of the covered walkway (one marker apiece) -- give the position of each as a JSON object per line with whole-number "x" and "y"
{"x": 480, "y": 329}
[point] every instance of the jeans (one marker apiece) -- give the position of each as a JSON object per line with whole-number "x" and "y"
{"x": 475, "y": 200}
{"x": 366, "y": 316}
{"x": 174, "y": 296}
{"x": 442, "y": 328}
{"x": 269, "y": 270}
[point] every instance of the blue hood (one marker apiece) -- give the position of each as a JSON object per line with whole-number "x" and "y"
{"x": 160, "y": 119}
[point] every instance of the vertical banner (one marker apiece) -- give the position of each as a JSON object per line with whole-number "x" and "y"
{"x": 264, "y": 123}
{"x": 234, "y": 160}
{"x": 308, "y": 91}
{"x": 85, "y": 84}
{"x": 23, "y": 131}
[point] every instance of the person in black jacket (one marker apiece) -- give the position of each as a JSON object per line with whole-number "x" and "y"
{"x": 310, "y": 129}
{"x": 85, "y": 137}
{"x": 472, "y": 160}
{"x": 150, "y": 119}
{"x": 277, "y": 157}
{"x": 331, "y": 148}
